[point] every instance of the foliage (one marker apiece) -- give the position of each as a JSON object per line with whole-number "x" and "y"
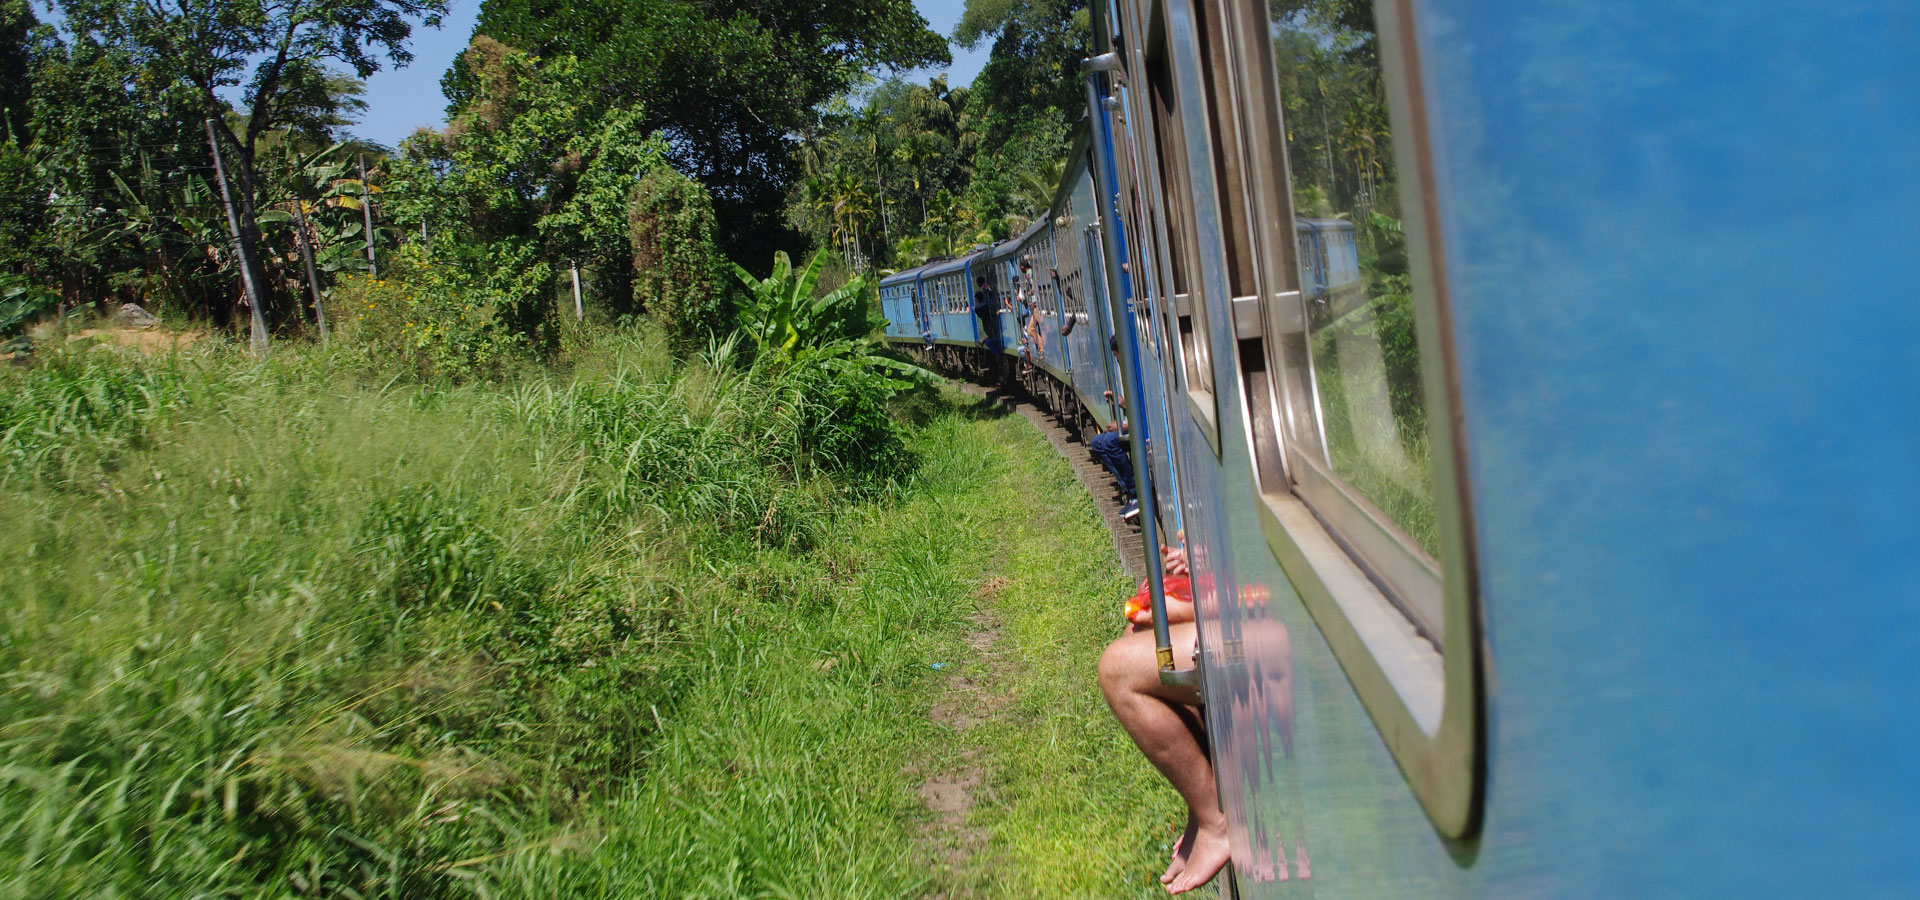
{"x": 20, "y": 302}
{"x": 728, "y": 82}
{"x": 276, "y": 54}
{"x": 782, "y": 315}
{"x": 426, "y": 321}
{"x": 23, "y": 209}
{"x": 675, "y": 264}
{"x": 17, "y": 27}
{"x": 821, "y": 351}
{"x": 525, "y": 180}
{"x": 1390, "y": 289}
{"x": 177, "y": 62}
{"x": 950, "y": 166}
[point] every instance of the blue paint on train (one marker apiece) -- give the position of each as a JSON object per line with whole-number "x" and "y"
{"x": 1691, "y": 466}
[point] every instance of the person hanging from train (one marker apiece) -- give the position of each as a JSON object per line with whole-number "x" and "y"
{"x": 986, "y": 305}
{"x": 1164, "y": 721}
{"x": 923, "y": 318}
{"x": 1033, "y": 343}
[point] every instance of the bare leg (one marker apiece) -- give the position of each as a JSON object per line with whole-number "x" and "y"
{"x": 1184, "y": 845}
{"x": 1151, "y": 713}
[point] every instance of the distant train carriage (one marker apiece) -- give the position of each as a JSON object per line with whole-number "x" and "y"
{"x": 1329, "y": 254}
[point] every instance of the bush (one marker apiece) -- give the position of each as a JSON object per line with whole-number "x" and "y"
{"x": 846, "y": 423}
{"x": 675, "y": 266}
{"x": 20, "y": 302}
{"x": 822, "y": 352}
{"x": 425, "y": 321}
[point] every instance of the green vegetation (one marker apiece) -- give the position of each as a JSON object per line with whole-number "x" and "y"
{"x": 557, "y": 116}
{"x": 297, "y": 628}
{"x": 923, "y": 171}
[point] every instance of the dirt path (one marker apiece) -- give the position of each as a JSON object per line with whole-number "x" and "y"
{"x": 950, "y": 794}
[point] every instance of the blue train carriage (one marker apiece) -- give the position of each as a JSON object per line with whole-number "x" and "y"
{"x": 1595, "y": 593}
{"x": 946, "y": 284}
{"x": 909, "y": 311}
{"x": 996, "y": 264}
{"x": 897, "y": 306}
{"x": 1013, "y": 316}
{"x": 1040, "y": 280}
{"x": 1329, "y": 254}
{"x": 1083, "y": 287}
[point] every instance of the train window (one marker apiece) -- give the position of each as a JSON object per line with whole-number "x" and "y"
{"x": 1168, "y": 115}
{"x": 1352, "y": 421}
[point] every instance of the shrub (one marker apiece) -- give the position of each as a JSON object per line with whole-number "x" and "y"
{"x": 821, "y": 350}
{"x": 20, "y": 302}
{"x": 426, "y": 321}
{"x": 675, "y": 266}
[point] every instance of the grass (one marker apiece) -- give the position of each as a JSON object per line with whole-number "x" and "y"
{"x": 299, "y": 629}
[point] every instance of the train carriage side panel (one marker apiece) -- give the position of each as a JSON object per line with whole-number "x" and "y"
{"x": 1693, "y": 517}
{"x": 1043, "y": 281}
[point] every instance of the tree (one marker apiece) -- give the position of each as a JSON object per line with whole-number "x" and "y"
{"x": 526, "y": 177}
{"x": 19, "y": 33}
{"x": 729, "y": 83}
{"x": 675, "y": 266}
{"x": 278, "y": 53}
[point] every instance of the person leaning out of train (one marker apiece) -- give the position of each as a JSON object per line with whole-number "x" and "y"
{"x": 1112, "y": 450}
{"x": 1164, "y": 722}
{"x": 986, "y": 305}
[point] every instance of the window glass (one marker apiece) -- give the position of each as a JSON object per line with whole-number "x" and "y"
{"x": 1353, "y": 258}
{"x": 1171, "y": 158}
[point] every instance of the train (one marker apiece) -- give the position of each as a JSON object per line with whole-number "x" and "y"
{"x": 1537, "y": 389}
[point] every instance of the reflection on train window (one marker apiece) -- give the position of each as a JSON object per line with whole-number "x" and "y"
{"x": 1172, "y": 159}
{"x": 1354, "y": 281}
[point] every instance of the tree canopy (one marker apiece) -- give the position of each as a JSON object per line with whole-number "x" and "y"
{"x": 728, "y": 83}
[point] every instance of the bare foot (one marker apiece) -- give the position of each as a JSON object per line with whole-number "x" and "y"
{"x": 1181, "y": 850}
{"x": 1208, "y": 853}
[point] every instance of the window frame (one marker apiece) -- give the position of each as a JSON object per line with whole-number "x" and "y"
{"x": 1172, "y": 128}
{"x": 1346, "y": 558}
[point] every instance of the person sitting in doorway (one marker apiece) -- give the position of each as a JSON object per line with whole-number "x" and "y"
{"x": 1109, "y": 449}
{"x": 1164, "y": 722}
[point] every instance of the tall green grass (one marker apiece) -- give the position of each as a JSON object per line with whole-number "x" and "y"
{"x": 301, "y": 629}
{"x": 287, "y": 629}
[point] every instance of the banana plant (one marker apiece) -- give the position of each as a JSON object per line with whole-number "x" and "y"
{"x": 835, "y": 330}
{"x": 784, "y": 316}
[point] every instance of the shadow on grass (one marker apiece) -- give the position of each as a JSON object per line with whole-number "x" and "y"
{"x": 925, "y": 403}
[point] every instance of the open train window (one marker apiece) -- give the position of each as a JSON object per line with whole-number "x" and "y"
{"x": 1351, "y": 413}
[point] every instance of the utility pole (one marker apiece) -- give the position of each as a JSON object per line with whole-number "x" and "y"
{"x": 579, "y": 309}
{"x": 306, "y": 256}
{"x": 366, "y": 210}
{"x": 242, "y": 247}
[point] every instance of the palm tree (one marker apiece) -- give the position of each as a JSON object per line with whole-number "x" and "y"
{"x": 852, "y": 207}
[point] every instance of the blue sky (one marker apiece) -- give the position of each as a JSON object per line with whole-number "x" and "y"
{"x": 398, "y": 101}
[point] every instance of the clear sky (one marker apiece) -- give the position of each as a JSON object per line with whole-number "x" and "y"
{"x": 398, "y": 101}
